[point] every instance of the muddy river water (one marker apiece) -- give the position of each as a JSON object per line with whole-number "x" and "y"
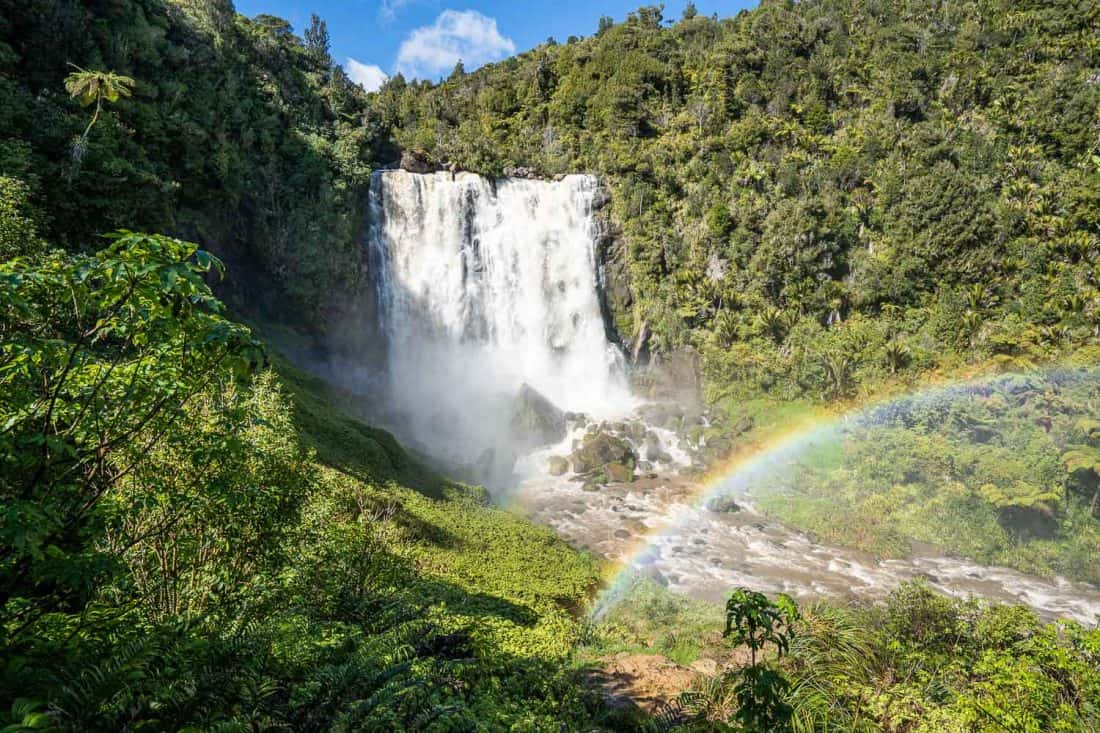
{"x": 652, "y": 527}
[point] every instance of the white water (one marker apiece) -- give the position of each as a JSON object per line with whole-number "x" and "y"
{"x": 484, "y": 287}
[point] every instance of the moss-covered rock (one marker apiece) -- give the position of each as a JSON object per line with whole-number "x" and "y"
{"x": 557, "y": 465}
{"x": 601, "y": 452}
{"x": 619, "y": 472}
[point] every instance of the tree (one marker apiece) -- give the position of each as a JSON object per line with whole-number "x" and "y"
{"x": 1082, "y": 461}
{"x": 690, "y": 11}
{"x": 756, "y": 622}
{"x": 95, "y": 87}
{"x": 18, "y": 233}
{"x": 99, "y": 355}
{"x": 317, "y": 40}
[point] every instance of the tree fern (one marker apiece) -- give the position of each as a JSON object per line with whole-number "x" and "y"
{"x": 95, "y": 87}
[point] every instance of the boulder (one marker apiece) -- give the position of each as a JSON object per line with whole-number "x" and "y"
{"x": 557, "y": 465}
{"x": 600, "y": 449}
{"x": 536, "y": 420}
{"x": 654, "y": 452}
{"x": 619, "y": 473}
{"x": 578, "y": 418}
{"x": 723, "y": 505}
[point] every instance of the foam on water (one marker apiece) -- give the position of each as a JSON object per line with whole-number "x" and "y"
{"x": 485, "y": 285}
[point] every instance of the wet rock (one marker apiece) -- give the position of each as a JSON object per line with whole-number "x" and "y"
{"x": 713, "y": 450}
{"x": 660, "y": 414}
{"x": 557, "y": 465}
{"x": 622, "y": 534}
{"x": 619, "y": 473}
{"x": 535, "y": 419}
{"x": 723, "y": 505}
{"x": 672, "y": 376}
{"x": 653, "y": 450}
{"x": 577, "y": 418}
{"x": 601, "y": 451}
{"x": 518, "y": 172}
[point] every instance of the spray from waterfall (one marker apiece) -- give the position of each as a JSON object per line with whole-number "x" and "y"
{"x": 483, "y": 287}
{"x": 758, "y": 467}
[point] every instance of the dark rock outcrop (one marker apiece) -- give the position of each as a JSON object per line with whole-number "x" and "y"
{"x": 536, "y": 420}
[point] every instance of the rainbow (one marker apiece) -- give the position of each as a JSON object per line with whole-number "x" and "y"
{"x": 783, "y": 449}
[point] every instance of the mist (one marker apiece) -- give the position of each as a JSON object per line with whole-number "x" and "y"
{"x": 484, "y": 287}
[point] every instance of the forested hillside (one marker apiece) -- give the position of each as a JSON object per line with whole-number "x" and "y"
{"x": 817, "y": 194}
{"x": 238, "y": 134}
{"x": 826, "y": 199}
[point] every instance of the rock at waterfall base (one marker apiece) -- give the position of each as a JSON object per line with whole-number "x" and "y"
{"x": 602, "y": 457}
{"x": 557, "y": 465}
{"x": 535, "y": 419}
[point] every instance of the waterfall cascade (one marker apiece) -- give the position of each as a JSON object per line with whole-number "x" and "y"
{"x": 483, "y": 287}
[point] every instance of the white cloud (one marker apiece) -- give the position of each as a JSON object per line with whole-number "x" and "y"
{"x": 388, "y": 9}
{"x": 368, "y": 76}
{"x": 456, "y": 35}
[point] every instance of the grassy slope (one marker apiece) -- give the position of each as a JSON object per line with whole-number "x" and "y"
{"x": 447, "y": 530}
{"x": 509, "y": 591}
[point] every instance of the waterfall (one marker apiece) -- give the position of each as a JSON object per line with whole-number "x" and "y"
{"x": 482, "y": 287}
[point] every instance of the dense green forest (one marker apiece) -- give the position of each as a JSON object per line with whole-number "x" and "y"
{"x": 238, "y": 134}
{"x": 828, "y": 201}
{"x": 817, "y": 195}
{"x": 825, "y": 199}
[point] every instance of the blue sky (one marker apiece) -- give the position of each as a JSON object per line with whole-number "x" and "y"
{"x": 424, "y": 38}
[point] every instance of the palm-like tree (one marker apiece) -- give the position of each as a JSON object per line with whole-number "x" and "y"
{"x": 96, "y": 87}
